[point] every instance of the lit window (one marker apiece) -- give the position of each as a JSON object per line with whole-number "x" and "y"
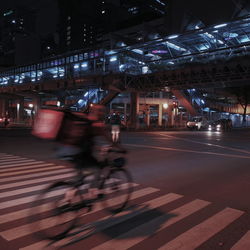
{"x": 69, "y": 17}
{"x": 69, "y": 27}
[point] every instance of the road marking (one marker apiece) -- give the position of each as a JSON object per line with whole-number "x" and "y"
{"x": 207, "y": 144}
{"x": 39, "y": 209}
{"x": 15, "y": 178}
{"x": 52, "y": 167}
{"x": 107, "y": 222}
{"x": 187, "y": 151}
{"x": 36, "y": 181}
{"x": 31, "y": 166}
{"x": 24, "y": 230}
{"x": 144, "y": 231}
{"x": 243, "y": 243}
{"x": 11, "y": 158}
{"x": 19, "y": 165}
{"x": 8, "y": 163}
{"x": 22, "y": 191}
{"x": 25, "y": 212}
{"x": 197, "y": 235}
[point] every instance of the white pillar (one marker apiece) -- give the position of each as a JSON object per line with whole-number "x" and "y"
{"x": 148, "y": 116}
{"x": 160, "y": 115}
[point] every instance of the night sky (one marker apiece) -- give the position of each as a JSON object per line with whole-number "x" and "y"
{"x": 47, "y": 13}
{"x": 209, "y": 11}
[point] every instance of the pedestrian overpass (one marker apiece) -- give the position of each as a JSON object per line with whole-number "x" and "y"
{"x": 215, "y": 56}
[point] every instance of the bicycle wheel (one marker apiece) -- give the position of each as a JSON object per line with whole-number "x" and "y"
{"x": 116, "y": 189}
{"x": 51, "y": 217}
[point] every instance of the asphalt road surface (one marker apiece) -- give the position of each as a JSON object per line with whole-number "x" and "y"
{"x": 192, "y": 192}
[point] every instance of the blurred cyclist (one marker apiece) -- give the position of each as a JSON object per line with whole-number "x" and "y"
{"x": 83, "y": 154}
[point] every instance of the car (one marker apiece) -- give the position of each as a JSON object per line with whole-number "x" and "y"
{"x": 220, "y": 125}
{"x": 4, "y": 121}
{"x": 214, "y": 126}
{"x": 197, "y": 122}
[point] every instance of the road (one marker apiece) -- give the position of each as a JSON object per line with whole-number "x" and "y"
{"x": 195, "y": 185}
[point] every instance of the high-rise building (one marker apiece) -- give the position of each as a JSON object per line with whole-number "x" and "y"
{"x": 15, "y": 24}
{"x": 82, "y": 23}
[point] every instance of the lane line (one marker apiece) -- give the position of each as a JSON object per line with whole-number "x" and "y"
{"x": 202, "y": 232}
{"x": 20, "y": 214}
{"x": 107, "y": 222}
{"x": 38, "y": 175}
{"x": 31, "y": 166}
{"x": 207, "y": 144}
{"x": 144, "y": 231}
{"x": 14, "y": 173}
{"x": 243, "y": 243}
{"x": 187, "y": 151}
{"x": 24, "y": 230}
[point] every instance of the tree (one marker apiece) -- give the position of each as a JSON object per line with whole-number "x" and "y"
{"x": 243, "y": 97}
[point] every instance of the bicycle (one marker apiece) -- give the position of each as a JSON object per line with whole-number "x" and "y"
{"x": 53, "y": 219}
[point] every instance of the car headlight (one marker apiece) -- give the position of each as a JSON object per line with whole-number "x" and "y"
{"x": 218, "y": 126}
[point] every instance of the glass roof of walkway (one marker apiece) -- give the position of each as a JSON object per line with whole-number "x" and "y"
{"x": 215, "y": 43}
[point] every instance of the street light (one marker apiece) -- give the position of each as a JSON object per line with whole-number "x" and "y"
{"x": 165, "y": 107}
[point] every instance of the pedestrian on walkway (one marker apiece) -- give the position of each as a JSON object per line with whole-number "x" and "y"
{"x": 115, "y": 122}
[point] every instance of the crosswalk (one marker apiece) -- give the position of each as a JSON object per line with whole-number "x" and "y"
{"x": 152, "y": 214}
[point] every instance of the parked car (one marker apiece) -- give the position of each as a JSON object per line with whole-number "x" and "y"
{"x": 197, "y": 122}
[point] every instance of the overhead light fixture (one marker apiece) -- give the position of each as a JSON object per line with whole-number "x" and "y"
{"x": 173, "y": 36}
{"x": 220, "y": 25}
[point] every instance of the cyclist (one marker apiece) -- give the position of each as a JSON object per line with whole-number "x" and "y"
{"x": 83, "y": 154}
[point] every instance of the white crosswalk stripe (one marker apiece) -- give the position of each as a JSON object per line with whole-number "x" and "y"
{"x": 243, "y": 243}
{"x": 34, "y": 165}
{"x": 7, "y": 163}
{"x": 36, "y": 181}
{"x": 26, "y": 177}
{"x": 127, "y": 240}
{"x": 25, "y": 230}
{"x": 11, "y": 158}
{"x": 203, "y": 231}
{"x": 126, "y": 215}
{"x": 51, "y": 167}
{"x": 16, "y": 178}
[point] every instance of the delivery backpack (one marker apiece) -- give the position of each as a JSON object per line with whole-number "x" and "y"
{"x": 63, "y": 126}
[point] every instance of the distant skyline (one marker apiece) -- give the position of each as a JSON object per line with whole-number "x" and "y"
{"x": 46, "y": 17}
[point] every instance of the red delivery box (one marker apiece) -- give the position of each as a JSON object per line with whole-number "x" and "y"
{"x": 48, "y": 123}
